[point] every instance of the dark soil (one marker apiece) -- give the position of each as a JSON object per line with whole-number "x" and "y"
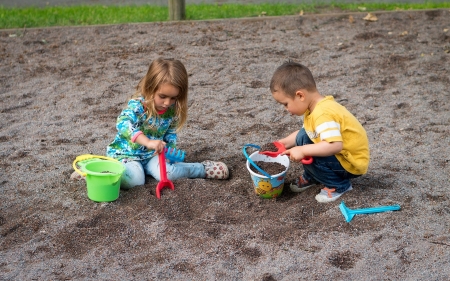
{"x": 272, "y": 168}
{"x": 271, "y": 147}
{"x": 61, "y": 90}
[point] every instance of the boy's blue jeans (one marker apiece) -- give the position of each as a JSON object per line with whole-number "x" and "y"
{"x": 325, "y": 170}
{"x": 135, "y": 171}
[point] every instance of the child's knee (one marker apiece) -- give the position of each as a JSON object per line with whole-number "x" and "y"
{"x": 133, "y": 175}
{"x": 129, "y": 181}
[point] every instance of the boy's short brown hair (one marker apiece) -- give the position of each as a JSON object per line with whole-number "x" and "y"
{"x": 291, "y": 77}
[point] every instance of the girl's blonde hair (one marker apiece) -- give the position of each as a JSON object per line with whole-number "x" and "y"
{"x": 163, "y": 71}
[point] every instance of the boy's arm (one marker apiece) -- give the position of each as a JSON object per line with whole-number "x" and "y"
{"x": 321, "y": 149}
{"x": 289, "y": 141}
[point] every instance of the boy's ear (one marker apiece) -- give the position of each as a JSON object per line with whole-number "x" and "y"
{"x": 300, "y": 94}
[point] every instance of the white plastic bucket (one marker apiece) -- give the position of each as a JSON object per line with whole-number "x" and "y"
{"x": 264, "y": 186}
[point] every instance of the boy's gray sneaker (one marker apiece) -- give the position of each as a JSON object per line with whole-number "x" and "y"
{"x": 329, "y": 194}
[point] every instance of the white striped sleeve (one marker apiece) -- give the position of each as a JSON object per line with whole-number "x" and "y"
{"x": 329, "y": 134}
{"x": 328, "y": 130}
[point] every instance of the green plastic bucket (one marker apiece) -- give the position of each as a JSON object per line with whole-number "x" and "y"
{"x": 103, "y": 180}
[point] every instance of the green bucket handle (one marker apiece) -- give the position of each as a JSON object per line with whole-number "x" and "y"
{"x": 244, "y": 151}
{"x": 87, "y": 157}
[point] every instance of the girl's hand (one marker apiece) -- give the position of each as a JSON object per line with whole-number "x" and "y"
{"x": 157, "y": 145}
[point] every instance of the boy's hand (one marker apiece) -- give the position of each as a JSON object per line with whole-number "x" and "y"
{"x": 295, "y": 154}
{"x": 320, "y": 149}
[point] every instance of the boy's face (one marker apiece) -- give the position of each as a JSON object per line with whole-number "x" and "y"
{"x": 295, "y": 106}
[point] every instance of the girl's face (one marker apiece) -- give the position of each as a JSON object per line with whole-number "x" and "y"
{"x": 165, "y": 96}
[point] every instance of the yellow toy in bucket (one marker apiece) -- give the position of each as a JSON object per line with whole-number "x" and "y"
{"x": 103, "y": 175}
{"x": 266, "y": 186}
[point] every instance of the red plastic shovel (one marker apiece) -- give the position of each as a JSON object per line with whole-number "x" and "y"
{"x": 307, "y": 160}
{"x": 163, "y": 174}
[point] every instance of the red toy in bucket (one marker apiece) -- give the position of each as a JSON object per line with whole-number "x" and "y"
{"x": 281, "y": 148}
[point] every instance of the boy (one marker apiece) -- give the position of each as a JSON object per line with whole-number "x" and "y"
{"x": 331, "y": 134}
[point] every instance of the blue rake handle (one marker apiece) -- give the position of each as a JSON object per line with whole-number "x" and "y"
{"x": 349, "y": 213}
{"x": 251, "y": 161}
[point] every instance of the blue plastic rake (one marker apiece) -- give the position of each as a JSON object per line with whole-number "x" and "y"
{"x": 349, "y": 213}
{"x": 174, "y": 155}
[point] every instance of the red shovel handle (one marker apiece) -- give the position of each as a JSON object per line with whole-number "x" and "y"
{"x": 163, "y": 174}
{"x": 307, "y": 160}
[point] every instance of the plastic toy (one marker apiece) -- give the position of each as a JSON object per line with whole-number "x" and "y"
{"x": 349, "y": 213}
{"x": 174, "y": 155}
{"x": 281, "y": 148}
{"x": 163, "y": 174}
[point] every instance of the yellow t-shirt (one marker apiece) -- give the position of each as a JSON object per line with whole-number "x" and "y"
{"x": 332, "y": 122}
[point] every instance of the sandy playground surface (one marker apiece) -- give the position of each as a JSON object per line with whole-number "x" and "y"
{"x": 62, "y": 89}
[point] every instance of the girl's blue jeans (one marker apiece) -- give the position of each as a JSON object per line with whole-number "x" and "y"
{"x": 135, "y": 171}
{"x": 325, "y": 170}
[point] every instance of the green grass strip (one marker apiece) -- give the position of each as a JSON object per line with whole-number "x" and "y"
{"x": 96, "y": 15}
{"x": 226, "y": 11}
{"x": 79, "y": 15}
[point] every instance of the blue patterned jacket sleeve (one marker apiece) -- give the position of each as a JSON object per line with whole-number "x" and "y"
{"x": 129, "y": 120}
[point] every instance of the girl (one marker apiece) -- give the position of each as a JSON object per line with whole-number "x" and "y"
{"x": 150, "y": 122}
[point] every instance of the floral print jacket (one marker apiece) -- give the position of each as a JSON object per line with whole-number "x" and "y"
{"x": 132, "y": 122}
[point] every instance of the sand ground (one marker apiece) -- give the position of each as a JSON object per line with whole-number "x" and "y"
{"x": 62, "y": 89}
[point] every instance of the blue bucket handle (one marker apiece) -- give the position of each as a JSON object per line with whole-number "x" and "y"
{"x": 244, "y": 151}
